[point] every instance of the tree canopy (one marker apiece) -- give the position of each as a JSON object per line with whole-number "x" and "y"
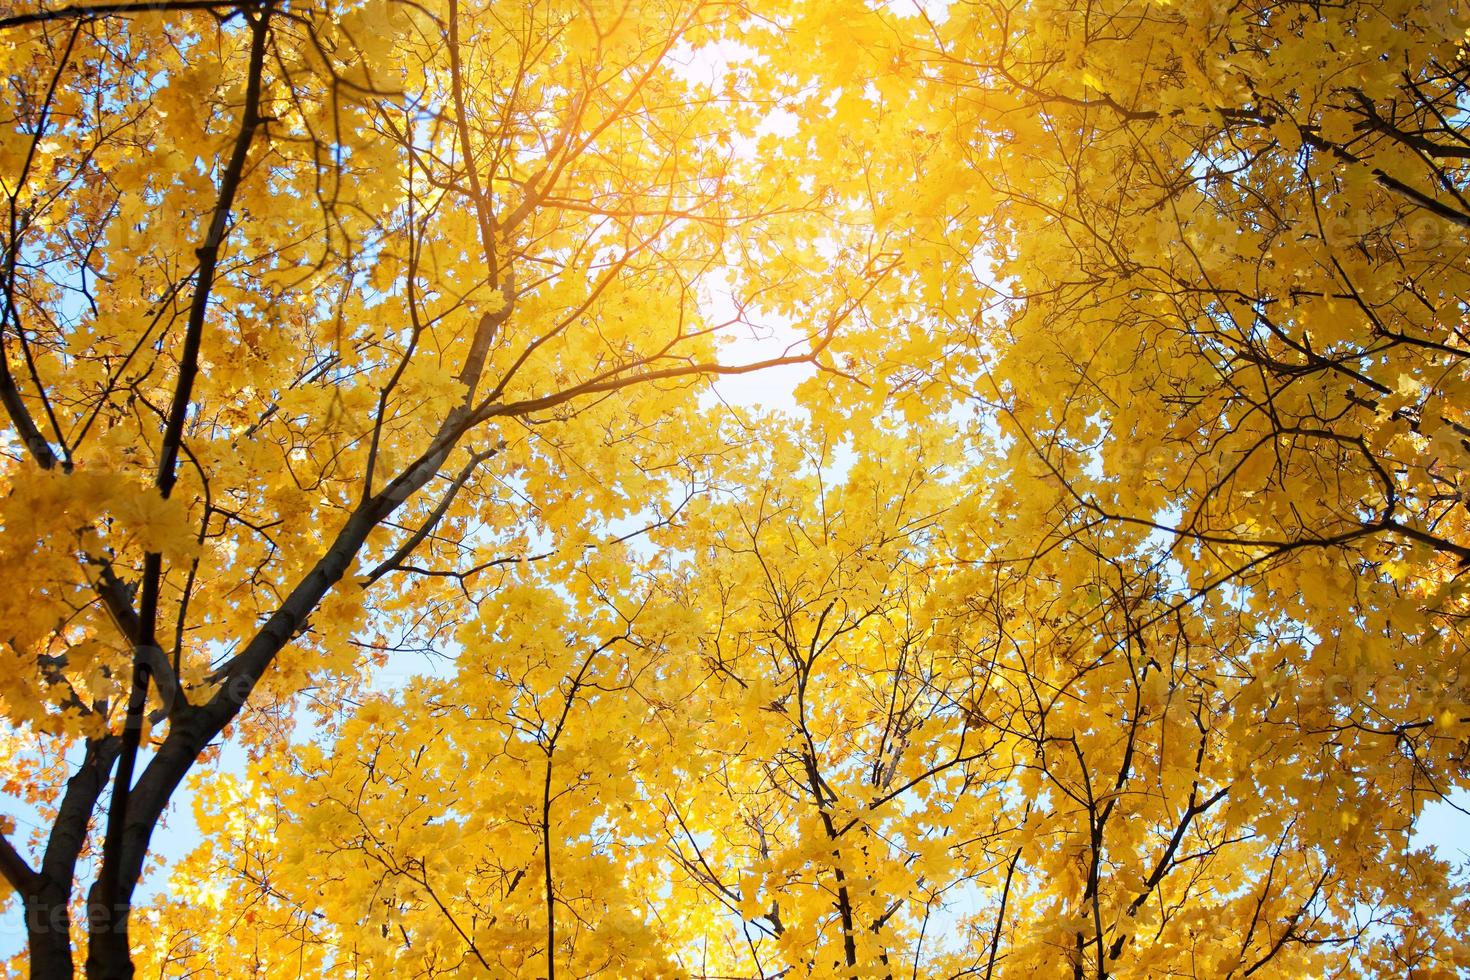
{"x": 371, "y": 486}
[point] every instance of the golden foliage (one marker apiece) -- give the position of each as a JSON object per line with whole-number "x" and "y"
{"x": 1093, "y": 608}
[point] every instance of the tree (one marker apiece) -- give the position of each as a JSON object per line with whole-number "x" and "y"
{"x": 1226, "y": 249}
{"x": 1096, "y": 609}
{"x": 316, "y": 318}
{"x": 830, "y": 746}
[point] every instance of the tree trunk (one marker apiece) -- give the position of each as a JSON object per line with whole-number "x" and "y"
{"x": 109, "y": 953}
{"x": 48, "y": 916}
{"x": 48, "y": 932}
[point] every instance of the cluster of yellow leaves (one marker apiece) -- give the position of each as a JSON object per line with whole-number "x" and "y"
{"x": 1098, "y": 612}
{"x": 815, "y": 739}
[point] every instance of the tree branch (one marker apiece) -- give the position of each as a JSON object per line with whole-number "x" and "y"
{"x": 15, "y": 868}
{"x": 87, "y": 11}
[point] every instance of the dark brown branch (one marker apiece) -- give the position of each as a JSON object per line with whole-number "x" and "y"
{"x": 417, "y": 537}
{"x": 89, "y": 11}
{"x": 16, "y": 869}
{"x": 109, "y": 954}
